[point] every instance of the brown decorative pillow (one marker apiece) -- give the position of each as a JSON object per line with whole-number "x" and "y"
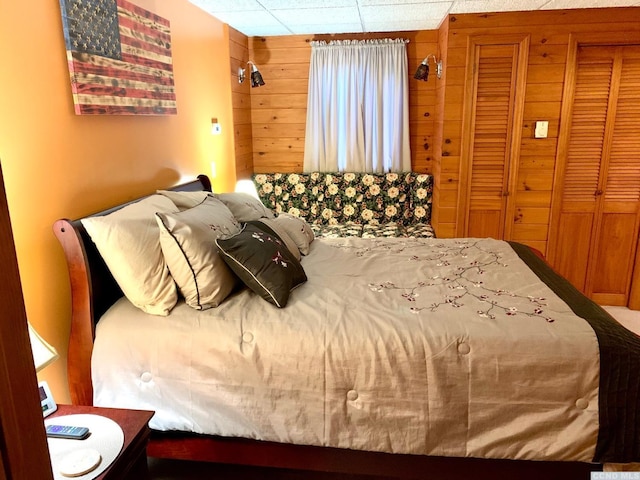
{"x": 263, "y": 263}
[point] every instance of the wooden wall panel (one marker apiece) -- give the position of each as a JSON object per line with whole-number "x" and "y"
{"x": 241, "y": 102}
{"x": 549, "y": 33}
{"x": 444, "y": 167}
{"x": 279, "y": 108}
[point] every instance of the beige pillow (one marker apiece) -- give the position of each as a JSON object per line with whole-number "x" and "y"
{"x": 298, "y": 229}
{"x": 128, "y": 241}
{"x": 185, "y": 200}
{"x": 245, "y": 207}
{"x": 276, "y": 228}
{"x": 188, "y": 240}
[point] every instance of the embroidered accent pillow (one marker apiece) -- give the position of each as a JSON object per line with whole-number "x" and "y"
{"x": 263, "y": 262}
{"x": 270, "y": 226}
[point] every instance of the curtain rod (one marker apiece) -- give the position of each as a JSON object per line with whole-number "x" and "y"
{"x": 370, "y": 41}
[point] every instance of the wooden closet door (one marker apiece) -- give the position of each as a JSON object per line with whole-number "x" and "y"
{"x": 493, "y": 114}
{"x": 583, "y": 163}
{"x": 597, "y": 226}
{"x": 617, "y": 234}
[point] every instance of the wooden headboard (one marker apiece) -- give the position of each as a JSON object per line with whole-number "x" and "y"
{"x": 93, "y": 291}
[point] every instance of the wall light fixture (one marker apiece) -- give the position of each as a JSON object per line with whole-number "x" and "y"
{"x": 256, "y": 76}
{"x": 422, "y": 73}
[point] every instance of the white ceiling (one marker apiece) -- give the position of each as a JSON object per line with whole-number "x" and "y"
{"x": 261, "y": 18}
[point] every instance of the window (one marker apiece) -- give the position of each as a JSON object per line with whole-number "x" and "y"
{"x": 358, "y": 107}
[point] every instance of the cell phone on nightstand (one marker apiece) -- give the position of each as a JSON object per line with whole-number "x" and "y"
{"x": 67, "y": 431}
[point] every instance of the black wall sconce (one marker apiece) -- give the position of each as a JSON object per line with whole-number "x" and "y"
{"x": 422, "y": 73}
{"x": 256, "y": 76}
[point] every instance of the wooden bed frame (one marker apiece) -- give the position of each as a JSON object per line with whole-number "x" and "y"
{"x": 93, "y": 291}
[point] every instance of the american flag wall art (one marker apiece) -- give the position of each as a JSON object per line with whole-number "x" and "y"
{"x": 119, "y": 58}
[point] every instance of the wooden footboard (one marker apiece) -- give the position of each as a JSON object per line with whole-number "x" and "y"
{"x": 238, "y": 451}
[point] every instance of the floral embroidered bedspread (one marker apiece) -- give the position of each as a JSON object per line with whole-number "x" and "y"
{"x": 449, "y": 347}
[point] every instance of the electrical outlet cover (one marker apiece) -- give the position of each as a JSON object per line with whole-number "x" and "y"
{"x": 541, "y": 130}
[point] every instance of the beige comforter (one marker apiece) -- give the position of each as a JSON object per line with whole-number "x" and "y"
{"x": 423, "y": 346}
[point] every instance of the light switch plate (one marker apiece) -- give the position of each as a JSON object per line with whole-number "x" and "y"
{"x": 541, "y": 129}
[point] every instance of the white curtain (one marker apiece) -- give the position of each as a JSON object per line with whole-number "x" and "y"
{"x": 358, "y": 107}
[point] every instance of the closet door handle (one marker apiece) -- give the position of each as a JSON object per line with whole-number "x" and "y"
{"x": 598, "y": 193}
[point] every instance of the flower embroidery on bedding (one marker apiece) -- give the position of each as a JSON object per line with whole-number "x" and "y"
{"x": 457, "y": 280}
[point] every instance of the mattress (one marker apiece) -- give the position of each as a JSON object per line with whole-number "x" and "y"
{"x": 449, "y": 347}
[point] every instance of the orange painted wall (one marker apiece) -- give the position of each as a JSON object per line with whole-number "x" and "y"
{"x": 57, "y": 164}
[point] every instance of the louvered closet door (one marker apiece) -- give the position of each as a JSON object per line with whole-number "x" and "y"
{"x": 615, "y": 246}
{"x": 492, "y": 113}
{"x": 598, "y": 223}
{"x": 583, "y": 163}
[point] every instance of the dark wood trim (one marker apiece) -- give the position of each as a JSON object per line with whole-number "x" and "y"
{"x": 22, "y": 456}
{"x": 239, "y": 451}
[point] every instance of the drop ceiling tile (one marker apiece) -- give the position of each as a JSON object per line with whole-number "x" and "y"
{"x": 297, "y": 4}
{"x": 416, "y": 3}
{"x": 254, "y": 18}
{"x": 427, "y": 24}
{"x": 265, "y": 31}
{"x": 320, "y": 29}
{"x": 318, "y": 16}
{"x": 479, "y": 6}
{"x": 560, "y": 4}
{"x": 282, "y": 17}
{"x": 406, "y": 12}
{"x": 227, "y": 6}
